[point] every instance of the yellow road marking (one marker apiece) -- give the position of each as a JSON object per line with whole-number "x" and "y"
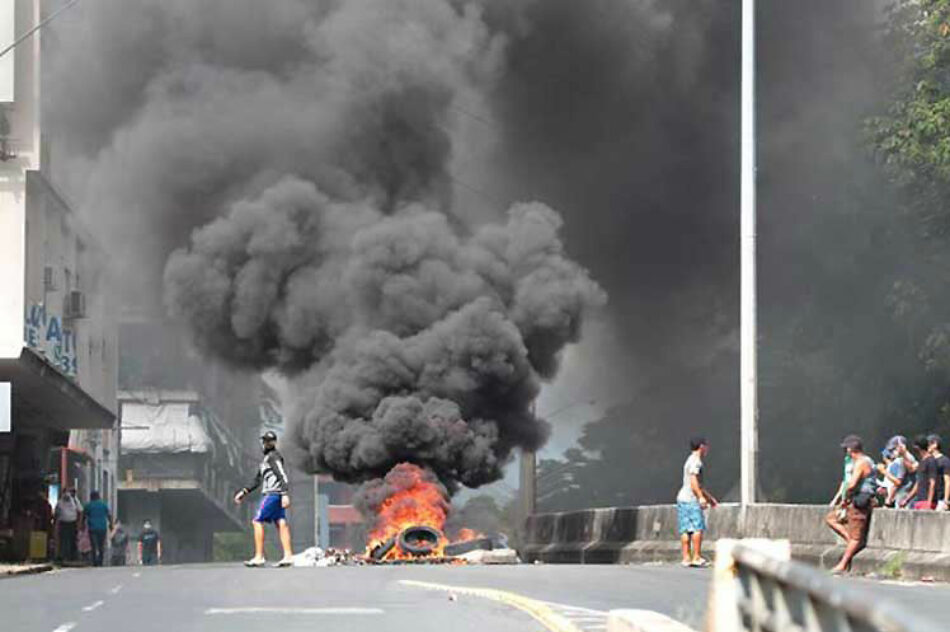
{"x": 538, "y": 610}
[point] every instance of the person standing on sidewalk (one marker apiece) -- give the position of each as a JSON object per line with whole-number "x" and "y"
{"x": 67, "y": 515}
{"x": 98, "y": 520}
{"x": 691, "y": 501}
{"x": 150, "y": 545}
{"x": 275, "y": 491}
{"x": 858, "y": 501}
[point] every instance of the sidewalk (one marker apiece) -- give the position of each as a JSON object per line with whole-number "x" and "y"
{"x": 8, "y": 570}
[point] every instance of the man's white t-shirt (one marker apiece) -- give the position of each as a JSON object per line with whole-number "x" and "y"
{"x": 67, "y": 509}
{"x": 692, "y": 467}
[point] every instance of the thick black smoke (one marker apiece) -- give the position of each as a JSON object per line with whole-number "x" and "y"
{"x": 430, "y": 344}
{"x": 294, "y": 165}
{"x": 624, "y": 115}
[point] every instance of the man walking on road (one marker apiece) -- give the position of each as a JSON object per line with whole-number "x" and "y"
{"x": 691, "y": 501}
{"x": 98, "y": 520}
{"x": 67, "y": 514}
{"x": 150, "y": 545}
{"x": 858, "y": 499}
{"x": 275, "y": 492}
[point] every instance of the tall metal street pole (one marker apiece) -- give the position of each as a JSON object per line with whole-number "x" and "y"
{"x": 748, "y": 360}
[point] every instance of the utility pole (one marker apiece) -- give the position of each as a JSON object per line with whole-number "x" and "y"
{"x": 529, "y": 483}
{"x": 748, "y": 361}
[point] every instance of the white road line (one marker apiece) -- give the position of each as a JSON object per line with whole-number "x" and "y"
{"x": 115, "y": 591}
{"x": 136, "y": 574}
{"x": 66, "y": 627}
{"x": 571, "y": 610}
{"x": 93, "y": 606}
{"x": 261, "y": 610}
{"x": 588, "y": 618}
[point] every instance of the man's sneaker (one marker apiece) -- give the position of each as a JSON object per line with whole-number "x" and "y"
{"x": 255, "y": 563}
{"x": 284, "y": 563}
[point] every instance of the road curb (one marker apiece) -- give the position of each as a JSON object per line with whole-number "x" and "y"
{"x": 33, "y": 569}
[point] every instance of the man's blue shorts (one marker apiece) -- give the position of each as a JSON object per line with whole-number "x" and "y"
{"x": 690, "y": 518}
{"x": 270, "y": 509}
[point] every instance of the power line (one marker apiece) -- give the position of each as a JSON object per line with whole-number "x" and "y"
{"x": 52, "y": 16}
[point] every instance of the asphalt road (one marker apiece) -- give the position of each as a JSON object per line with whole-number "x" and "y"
{"x": 354, "y": 599}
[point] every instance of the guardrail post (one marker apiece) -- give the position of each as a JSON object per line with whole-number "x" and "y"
{"x": 723, "y": 612}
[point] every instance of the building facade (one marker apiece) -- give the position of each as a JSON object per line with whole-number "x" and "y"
{"x": 58, "y": 337}
{"x": 180, "y": 467}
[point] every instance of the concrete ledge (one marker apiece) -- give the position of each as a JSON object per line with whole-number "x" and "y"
{"x": 643, "y": 621}
{"x": 902, "y": 543}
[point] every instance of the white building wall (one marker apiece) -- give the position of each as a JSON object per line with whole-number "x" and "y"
{"x": 23, "y": 117}
{"x": 45, "y": 254}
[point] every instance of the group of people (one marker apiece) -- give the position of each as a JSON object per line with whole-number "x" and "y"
{"x": 908, "y": 477}
{"x": 83, "y": 529}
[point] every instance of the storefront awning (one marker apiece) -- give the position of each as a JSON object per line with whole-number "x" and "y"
{"x": 44, "y": 397}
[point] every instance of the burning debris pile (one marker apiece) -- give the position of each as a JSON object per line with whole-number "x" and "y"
{"x": 409, "y": 507}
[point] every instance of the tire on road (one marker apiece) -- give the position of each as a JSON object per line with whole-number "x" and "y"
{"x": 419, "y": 540}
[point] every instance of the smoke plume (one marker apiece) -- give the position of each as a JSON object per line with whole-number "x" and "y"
{"x": 289, "y": 168}
{"x": 430, "y": 344}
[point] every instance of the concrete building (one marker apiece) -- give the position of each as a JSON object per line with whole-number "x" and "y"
{"x": 58, "y": 346}
{"x": 180, "y": 466}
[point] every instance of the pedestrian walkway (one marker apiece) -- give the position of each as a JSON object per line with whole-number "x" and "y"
{"x": 7, "y": 570}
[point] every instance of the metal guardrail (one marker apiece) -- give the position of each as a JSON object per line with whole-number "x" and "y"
{"x": 775, "y": 595}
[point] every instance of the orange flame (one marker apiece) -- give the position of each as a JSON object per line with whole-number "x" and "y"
{"x": 465, "y": 535}
{"x": 422, "y": 503}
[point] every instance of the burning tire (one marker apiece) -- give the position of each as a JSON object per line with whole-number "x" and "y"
{"x": 419, "y": 541}
{"x": 382, "y": 549}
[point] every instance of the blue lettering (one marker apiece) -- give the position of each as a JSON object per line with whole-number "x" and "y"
{"x": 68, "y": 341}
{"x": 54, "y": 331}
{"x": 32, "y": 337}
{"x": 35, "y": 316}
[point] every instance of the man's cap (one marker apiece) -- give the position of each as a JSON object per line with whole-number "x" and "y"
{"x": 895, "y": 441}
{"x": 852, "y": 442}
{"x": 270, "y": 435}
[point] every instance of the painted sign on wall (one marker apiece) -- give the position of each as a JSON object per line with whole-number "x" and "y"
{"x": 46, "y": 333}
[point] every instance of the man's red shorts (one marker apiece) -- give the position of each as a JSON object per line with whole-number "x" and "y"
{"x": 923, "y": 504}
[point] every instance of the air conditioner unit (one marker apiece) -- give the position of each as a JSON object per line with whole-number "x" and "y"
{"x": 49, "y": 281}
{"x": 75, "y": 305}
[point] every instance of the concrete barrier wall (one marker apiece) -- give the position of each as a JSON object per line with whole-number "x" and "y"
{"x": 614, "y": 535}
